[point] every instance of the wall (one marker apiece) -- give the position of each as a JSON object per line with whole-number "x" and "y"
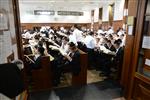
{"x": 105, "y": 16}
{"x": 119, "y": 9}
{"x": 118, "y": 15}
{"x": 30, "y": 18}
{"x": 96, "y": 14}
{"x": 8, "y": 43}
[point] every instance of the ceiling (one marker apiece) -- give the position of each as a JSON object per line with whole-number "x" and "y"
{"x": 69, "y": 5}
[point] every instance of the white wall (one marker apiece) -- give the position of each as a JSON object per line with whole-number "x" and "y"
{"x": 105, "y": 16}
{"x": 119, "y": 9}
{"x": 96, "y": 15}
{"x": 30, "y": 18}
{"x": 26, "y": 15}
{"x": 6, "y": 46}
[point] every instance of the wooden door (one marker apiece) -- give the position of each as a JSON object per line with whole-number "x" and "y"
{"x": 139, "y": 85}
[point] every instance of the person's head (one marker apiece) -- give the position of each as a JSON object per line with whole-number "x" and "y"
{"x": 105, "y": 40}
{"x": 72, "y": 47}
{"x": 117, "y": 44}
{"x": 110, "y": 37}
{"x": 26, "y": 41}
{"x": 91, "y": 33}
{"x": 109, "y": 43}
{"x": 65, "y": 40}
{"x": 40, "y": 43}
{"x": 40, "y": 50}
{"x": 97, "y": 39}
{"x": 37, "y": 37}
{"x": 121, "y": 36}
{"x": 100, "y": 27}
{"x": 58, "y": 38}
{"x": 75, "y": 26}
{"x": 19, "y": 63}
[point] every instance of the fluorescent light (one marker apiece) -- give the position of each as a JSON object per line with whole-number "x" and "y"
{"x": 44, "y": 12}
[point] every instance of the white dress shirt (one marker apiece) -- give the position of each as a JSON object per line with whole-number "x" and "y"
{"x": 72, "y": 38}
{"x": 65, "y": 47}
{"x": 110, "y": 31}
{"x": 120, "y": 33}
{"x": 100, "y": 31}
{"x": 90, "y": 42}
{"x": 78, "y": 35}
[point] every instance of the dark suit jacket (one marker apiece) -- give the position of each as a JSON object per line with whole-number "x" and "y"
{"x": 38, "y": 63}
{"x": 112, "y": 48}
{"x": 11, "y": 82}
{"x": 119, "y": 56}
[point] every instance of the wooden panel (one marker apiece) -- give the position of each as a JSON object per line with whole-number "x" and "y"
{"x": 117, "y": 24}
{"x": 96, "y": 26}
{"x": 42, "y": 77}
{"x": 105, "y": 25}
{"x": 132, "y": 7}
{"x": 81, "y": 79}
{"x": 56, "y": 25}
{"x": 126, "y": 63}
{"x": 141, "y": 89}
{"x": 145, "y": 93}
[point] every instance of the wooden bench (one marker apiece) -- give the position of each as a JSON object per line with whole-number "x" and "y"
{"x": 42, "y": 78}
{"x": 81, "y": 79}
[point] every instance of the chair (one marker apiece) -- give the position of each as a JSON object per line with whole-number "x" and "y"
{"x": 81, "y": 79}
{"x": 42, "y": 77}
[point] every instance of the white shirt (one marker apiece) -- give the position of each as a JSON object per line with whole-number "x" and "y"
{"x": 90, "y": 42}
{"x": 100, "y": 31}
{"x": 65, "y": 47}
{"x": 78, "y": 35}
{"x": 123, "y": 41}
{"x": 72, "y": 38}
{"x": 27, "y": 35}
{"x": 120, "y": 33}
{"x": 110, "y": 31}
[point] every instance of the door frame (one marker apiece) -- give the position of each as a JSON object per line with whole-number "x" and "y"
{"x": 18, "y": 28}
{"x": 136, "y": 46}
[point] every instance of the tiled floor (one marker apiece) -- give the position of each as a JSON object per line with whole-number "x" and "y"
{"x": 106, "y": 90}
{"x": 92, "y": 77}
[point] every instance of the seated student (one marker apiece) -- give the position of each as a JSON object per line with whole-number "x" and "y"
{"x": 64, "y": 45}
{"x": 118, "y": 59}
{"x": 110, "y": 30}
{"x": 100, "y": 31}
{"x": 73, "y": 59}
{"x": 97, "y": 43}
{"x": 38, "y": 57}
{"x": 27, "y": 48}
{"x": 120, "y": 31}
{"x": 110, "y": 46}
{"x": 123, "y": 38}
{"x": 70, "y": 61}
{"x": 72, "y": 38}
{"x": 110, "y": 37}
{"x": 119, "y": 52}
{"x": 90, "y": 44}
